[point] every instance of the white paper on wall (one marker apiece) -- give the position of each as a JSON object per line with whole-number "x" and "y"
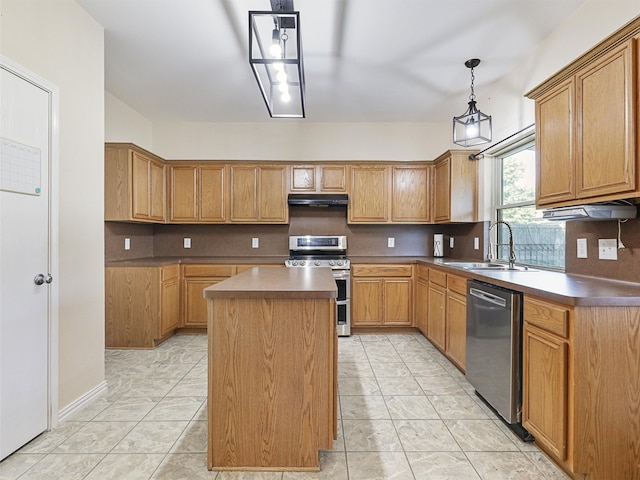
{"x": 19, "y": 168}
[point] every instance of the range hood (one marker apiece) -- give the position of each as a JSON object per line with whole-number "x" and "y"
{"x": 591, "y": 212}
{"x": 318, "y": 199}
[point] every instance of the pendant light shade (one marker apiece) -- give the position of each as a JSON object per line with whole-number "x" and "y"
{"x": 275, "y": 56}
{"x": 472, "y": 127}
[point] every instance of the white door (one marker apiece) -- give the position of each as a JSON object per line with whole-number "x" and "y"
{"x": 24, "y": 254}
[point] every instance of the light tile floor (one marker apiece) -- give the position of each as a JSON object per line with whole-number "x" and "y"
{"x": 405, "y": 413}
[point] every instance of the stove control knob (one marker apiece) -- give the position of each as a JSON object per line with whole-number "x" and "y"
{"x": 317, "y": 263}
{"x": 302, "y": 263}
{"x": 294, "y": 262}
{"x": 339, "y": 262}
{"x": 332, "y": 263}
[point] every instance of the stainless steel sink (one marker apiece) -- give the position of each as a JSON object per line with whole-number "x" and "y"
{"x": 488, "y": 266}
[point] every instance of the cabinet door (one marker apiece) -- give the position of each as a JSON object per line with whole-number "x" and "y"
{"x": 140, "y": 186}
{"x": 156, "y": 194}
{"x": 183, "y": 194}
{"x": 303, "y": 178}
{"x": 244, "y": 199}
{"x": 544, "y": 397}
{"x": 272, "y": 206}
{"x": 442, "y": 186}
{"x": 410, "y": 194}
{"x": 456, "y": 334}
{"x": 212, "y": 193}
{"x": 366, "y": 301}
{"x": 422, "y": 302}
{"x": 369, "y": 195}
{"x": 605, "y": 119}
{"x": 437, "y": 315}
{"x": 333, "y": 178}
{"x": 397, "y": 297}
{"x": 169, "y": 306}
{"x": 555, "y": 155}
{"x": 195, "y": 305}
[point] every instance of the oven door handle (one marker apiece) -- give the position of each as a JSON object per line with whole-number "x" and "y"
{"x": 341, "y": 275}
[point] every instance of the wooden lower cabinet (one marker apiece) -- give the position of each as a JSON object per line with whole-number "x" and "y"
{"x": 437, "y": 323}
{"x": 545, "y": 371}
{"x": 195, "y": 278}
{"x": 141, "y": 305}
{"x": 381, "y": 295}
{"x": 421, "y": 312}
{"x": 447, "y": 314}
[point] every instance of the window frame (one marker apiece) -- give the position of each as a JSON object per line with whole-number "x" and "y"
{"x": 521, "y": 142}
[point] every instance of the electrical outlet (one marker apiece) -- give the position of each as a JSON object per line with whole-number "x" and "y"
{"x": 581, "y": 248}
{"x": 127, "y": 244}
{"x": 391, "y": 242}
{"x": 607, "y": 249}
{"x": 186, "y": 243}
{"x": 476, "y": 243}
{"x": 255, "y": 242}
{"x": 450, "y": 242}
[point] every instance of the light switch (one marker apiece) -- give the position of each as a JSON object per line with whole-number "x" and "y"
{"x": 255, "y": 242}
{"x": 581, "y": 248}
{"x": 127, "y": 244}
{"x": 450, "y": 242}
{"x": 391, "y": 242}
{"x": 187, "y": 243}
{"x": 476, "y": 243}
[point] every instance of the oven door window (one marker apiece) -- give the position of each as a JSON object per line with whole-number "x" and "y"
{"x": 342, "y": 289}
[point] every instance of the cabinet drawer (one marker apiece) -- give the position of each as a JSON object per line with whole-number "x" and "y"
{"x": 382, "y": 270}
{"x": 457, "y": 284}
{"x": 422, "y": 272}
{"x": 550, "y": 317}
{"x": 209, "y": 270}
{"x": 437, "y": 277}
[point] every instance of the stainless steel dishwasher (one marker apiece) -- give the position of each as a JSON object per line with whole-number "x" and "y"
{"x": 494, "y": 350}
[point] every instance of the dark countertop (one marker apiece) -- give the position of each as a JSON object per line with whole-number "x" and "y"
{"x": 563, "y": 288}
{"x": 286, "y": 283}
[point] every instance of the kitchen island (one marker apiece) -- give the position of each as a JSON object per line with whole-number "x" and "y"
{"x": 272, "y": 382}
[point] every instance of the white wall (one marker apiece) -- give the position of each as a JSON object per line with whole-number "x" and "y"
{"x": 59, "y": 41}
{"x": 301, "y": 141}
{"x": 124, "y": 124}
{"x": 398, "y": 141}
{"x": 592, "y": 23}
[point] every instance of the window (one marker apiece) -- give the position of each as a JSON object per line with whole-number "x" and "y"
{"x": 537, "y": 242}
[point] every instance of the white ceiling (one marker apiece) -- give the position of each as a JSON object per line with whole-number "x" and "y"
{"x": 365, "y": 60}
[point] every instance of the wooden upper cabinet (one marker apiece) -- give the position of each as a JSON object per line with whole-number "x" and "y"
{"x": 390, "y": 194}
{"x": 183, "y": 193}
{"x": 134, "y": 184}
{"x": 555, "y": 155}
{"x": 411, "y": 190}
{"x": 369, "y": 200}
{"x": 197, "y": 194}
{"x": 318, "y": 179}
{"x": 586, "y": 129}
{"x": 605, "y": 117}
{"x": 258, "y": 194}
{"x": 455, "y": 187}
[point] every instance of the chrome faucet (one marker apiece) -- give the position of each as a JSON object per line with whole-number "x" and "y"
{"x": 512, "y": 253}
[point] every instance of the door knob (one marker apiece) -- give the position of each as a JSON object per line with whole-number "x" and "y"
{"x": 41, "y": 278}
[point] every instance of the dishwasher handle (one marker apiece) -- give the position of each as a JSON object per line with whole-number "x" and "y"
{"x": 487, "y": 297}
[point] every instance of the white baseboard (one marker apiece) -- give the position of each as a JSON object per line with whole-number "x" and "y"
{"x": 81, "y": 402}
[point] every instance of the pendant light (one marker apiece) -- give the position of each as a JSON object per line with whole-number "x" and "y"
{"x": 275, "y": 56}
{"x": 472, "y": 127}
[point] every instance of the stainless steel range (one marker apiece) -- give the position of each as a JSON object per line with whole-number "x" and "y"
{"x": 313, "y": 251}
